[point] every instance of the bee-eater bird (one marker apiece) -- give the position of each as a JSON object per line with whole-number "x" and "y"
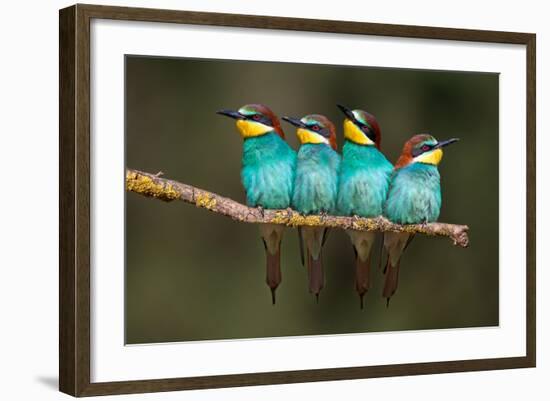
{"x": 315, "y": 187}
{"x": 414, "y": 198}
{"x": 267, "y": 174}
{"x": 363, "y": 185}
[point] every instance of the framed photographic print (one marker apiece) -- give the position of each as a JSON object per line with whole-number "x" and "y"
{"x": 251, "y": 200}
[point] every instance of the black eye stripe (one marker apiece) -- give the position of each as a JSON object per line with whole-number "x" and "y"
{"x": 323, "y": 131}
{"x": 258, "y": 118}
{"x": 368, "y": 132}
{"x": 422, "y": 149}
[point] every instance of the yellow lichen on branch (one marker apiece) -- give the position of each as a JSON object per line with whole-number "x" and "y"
{"x": 294, "y": 219}
{"x": 153, "y": 186}
{"x": 146, "y": 185}
{"x": 205, "y": 200}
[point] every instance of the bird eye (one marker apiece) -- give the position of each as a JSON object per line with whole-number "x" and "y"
{"x": 256, "y": 117}
{"x": 315, "y": 128}
{"x": 425, "y": 148}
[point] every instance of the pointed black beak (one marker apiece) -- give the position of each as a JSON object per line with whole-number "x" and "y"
{"x": 347, "y": 112}
{"x": 442, "y": 144}
{"x": 231, "y": 113}
{"x": 294, "y": 121}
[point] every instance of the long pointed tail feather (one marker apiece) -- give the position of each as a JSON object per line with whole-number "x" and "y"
{"x": 362, "y": 246}
{"x": 362, "y": 277}
{"x": 395, "y": 244}
{"x": 316, "y": 275}
{"x": 271, "y": 236}
{"x": 313, "y": 239}
{"x": 273, "y": 271}
{"x": 392, "y": 278}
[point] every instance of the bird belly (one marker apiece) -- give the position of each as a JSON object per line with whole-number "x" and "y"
{"x": 267, "y": 174}
{"x": 268, "y": 185}
{"x": 415, "y": 197}
{"x": 316, "y": 182}
{"x": 364, "y": 181}
{"x": 362, "y": 194}
{"x": 315, "y": 192}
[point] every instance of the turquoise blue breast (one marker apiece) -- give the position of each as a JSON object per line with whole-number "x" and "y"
{"x": 316, "y": 183}
{"x": 415, "y": 195}
{"x": 267, "y": 174}
{"x": 364, "y": 181}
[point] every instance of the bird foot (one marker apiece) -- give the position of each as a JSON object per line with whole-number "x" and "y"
{"x": 261, "y": 211}
{"x": 289, "y": 212}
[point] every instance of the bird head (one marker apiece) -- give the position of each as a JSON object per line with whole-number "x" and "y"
{"x": 254, "y": 120}
{"x": 361, "y": 127}
{"x": 423, "y": 148}
{"x": 314, "y": 128}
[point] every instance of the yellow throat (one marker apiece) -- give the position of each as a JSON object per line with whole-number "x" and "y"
{"x": 306, "y": 136}
{"x": 250, "y": 129}
{"x": 354, "y": 134}
{"x": 431, "y": 157}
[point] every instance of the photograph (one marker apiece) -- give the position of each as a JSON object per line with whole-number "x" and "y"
{"x": 318, "y": 199}
{"x": 258, "y": 199}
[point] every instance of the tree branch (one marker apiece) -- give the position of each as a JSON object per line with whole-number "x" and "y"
{"x": 168, "y": 190}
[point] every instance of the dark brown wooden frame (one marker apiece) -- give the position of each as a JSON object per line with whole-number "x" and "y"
{"x": 74, "y": 204}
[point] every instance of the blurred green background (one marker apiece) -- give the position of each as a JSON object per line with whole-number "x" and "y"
{"x": 195, "y": 275}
